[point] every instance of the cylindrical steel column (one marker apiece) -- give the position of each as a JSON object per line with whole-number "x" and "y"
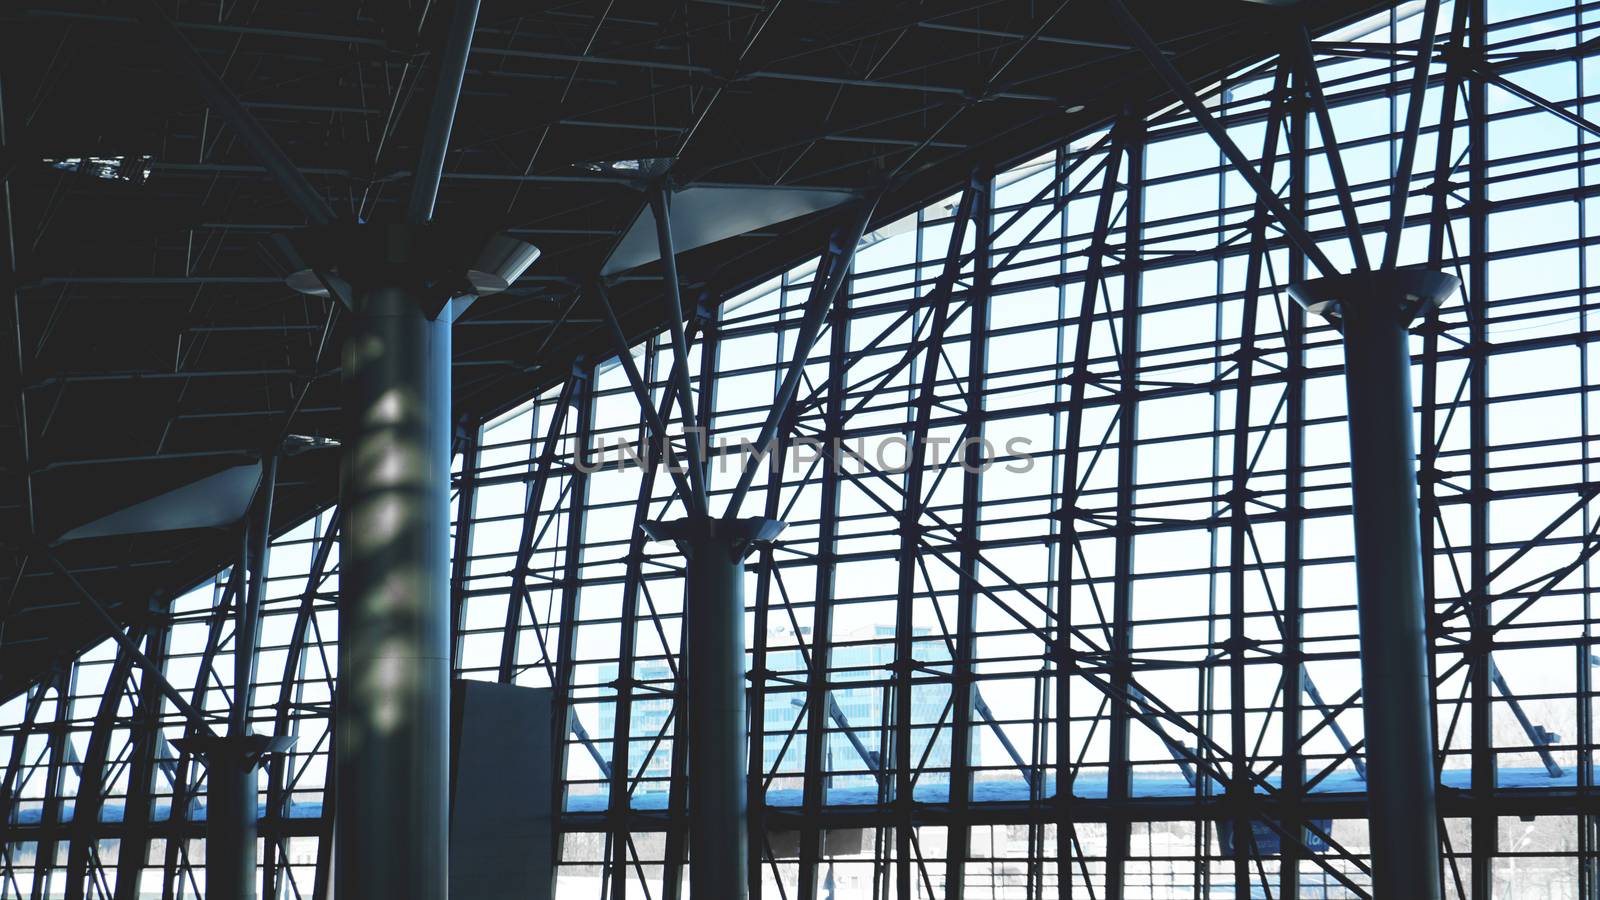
{"x": 392, "y": 724}
{"x": 230, "y": 821}
{"x": 714, "y": 668}
{"x": 1375, "y": 311}
{"x": 232, "y": 809}
{"x": 231, "y": 759}
{"x": 718, "y": 762}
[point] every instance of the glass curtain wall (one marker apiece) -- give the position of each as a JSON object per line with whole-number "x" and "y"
{"x": 1065, "y": 604}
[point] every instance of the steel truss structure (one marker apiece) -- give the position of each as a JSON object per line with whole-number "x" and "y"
{"x": 1065, "y": 602}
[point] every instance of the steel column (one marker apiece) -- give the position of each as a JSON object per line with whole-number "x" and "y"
{"x": 231, "y": 783}
{"x": 1119, "y": 779}
{"x": 1294, "y": 674}
{"x": 818, "y": 683}
{"x": 230, "y": 821}
{"x": 910, "y": 515}
{"x": 965, "y": 698}
{"x": 1061, "y": 650}
{"x": 392, "y": 716}
{"x": 1374, "y": 311}
{"x": 714, "y": 667}
{"x": 1485, "y": 825}
{"x": 185, "y": 783}
{"x": 83, "y": 852}
{"x": 45, "y": 849}
{"x": 1242, "y": 465}
{"x": 565, "y": 719}
{"x": 291, "y": 691}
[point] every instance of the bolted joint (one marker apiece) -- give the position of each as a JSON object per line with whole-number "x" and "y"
{"x": 1239, "y": 645}
{"x": 1068, "y": 656}
{"x": 1239, "y": 496}
{"x": 1438, "y": 188}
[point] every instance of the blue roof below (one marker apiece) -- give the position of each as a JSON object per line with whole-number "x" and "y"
{"x": 1090, "y": 785}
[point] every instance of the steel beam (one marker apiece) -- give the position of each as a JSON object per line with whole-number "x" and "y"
{"x": 760, "y": 681}
{"x": 50, "y": 808}
{"x": 655, "y": 422}
{"x": 18, "y": 356}
{"x": 833, "y": 270}
{"x": 691, "y": 70}
{"x": 627, "y": 687}
{"x": 1179, "y": 86}
{"x": 698, "y": 500}
{"x": 10, "y": 778}
{"x": 814, "y": 792}
{"x": 738, "y": 62}
{"x": 1311, "y": 82}
{"x": 528, "y": 536}
{"x": 1408, "y": 139}
{"x": 114, "y": 630}
{"x": 1374, "y": 311}
{"x": 185, "y": 783}
{"x": 255, "y": 138}
{"x": 442, "y": 113}
{"x": 965, "y": 699}
{"x": 1295, "y": 682}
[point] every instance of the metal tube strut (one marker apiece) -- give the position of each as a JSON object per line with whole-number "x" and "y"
{"x": 256, "y": 139}
{"x": 442, "y": 115}
{"x": 1292, "y": 226}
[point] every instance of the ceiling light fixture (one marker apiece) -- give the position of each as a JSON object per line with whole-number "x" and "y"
{"x": 127, "y": 169}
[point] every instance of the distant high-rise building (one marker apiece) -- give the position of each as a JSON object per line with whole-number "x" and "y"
{"x": 862, "y": 689}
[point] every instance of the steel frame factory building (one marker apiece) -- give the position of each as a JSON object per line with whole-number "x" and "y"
{"x": 621, "y": 449}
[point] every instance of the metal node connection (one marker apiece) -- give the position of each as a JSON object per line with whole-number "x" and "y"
{"x": 1374, "y": 311}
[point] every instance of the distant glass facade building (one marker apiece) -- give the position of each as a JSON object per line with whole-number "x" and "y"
{"x": 860, "y": 711}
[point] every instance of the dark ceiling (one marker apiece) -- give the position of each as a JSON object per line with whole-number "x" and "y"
{"x": 155, "y": 341}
